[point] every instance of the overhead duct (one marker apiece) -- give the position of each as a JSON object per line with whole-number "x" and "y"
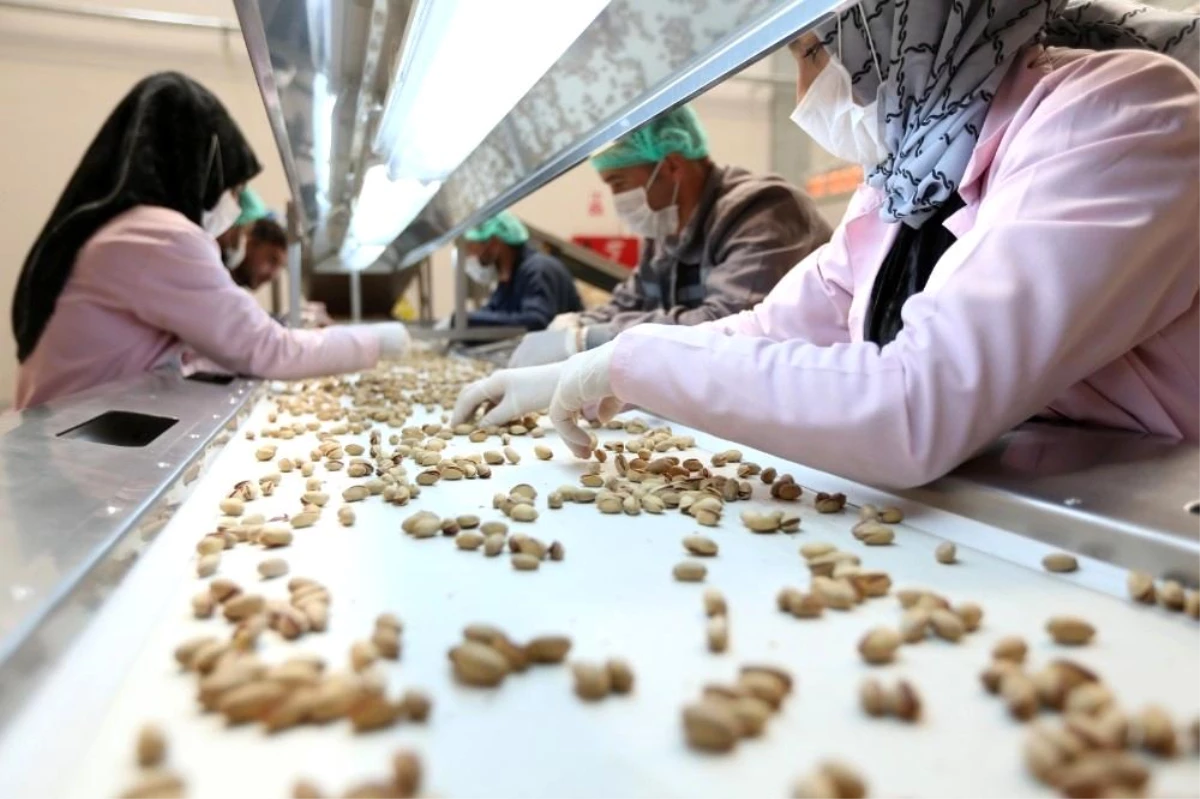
{"x": 402, "y": 123}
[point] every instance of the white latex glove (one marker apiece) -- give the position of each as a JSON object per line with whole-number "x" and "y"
{"x": 584, "y": 382}
{"x": 564, "y": 321}
{"x": 544, "y": 346}
{"x": 513, "y": 392}
{"x": 393, "y": 338}
{"x": 314, "y": 314}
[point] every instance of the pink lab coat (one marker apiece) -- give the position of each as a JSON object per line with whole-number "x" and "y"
{"x": 150, "y": 281}
{"x": 1071, "y": 292}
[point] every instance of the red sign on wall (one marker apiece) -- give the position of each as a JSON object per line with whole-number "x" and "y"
{"x": 623, "y": 250}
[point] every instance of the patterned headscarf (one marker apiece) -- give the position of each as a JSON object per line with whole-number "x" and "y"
{"x": 943, "y": 60}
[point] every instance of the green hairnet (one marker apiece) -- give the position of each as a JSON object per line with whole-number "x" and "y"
{"x": 503, "y": 226}
{"x": 677, "y": 131}
{"x": 253, "y": 208}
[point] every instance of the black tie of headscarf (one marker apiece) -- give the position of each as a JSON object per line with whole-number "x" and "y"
{"x": 906, "y": 269}
{"x": 169, "y": 143}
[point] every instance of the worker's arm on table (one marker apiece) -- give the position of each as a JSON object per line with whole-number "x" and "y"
{"x": 1073, "y": 260}
{"x": 189, "y": 293}
{"x": 536, "y": 311}
{"x": 627, "y": 296}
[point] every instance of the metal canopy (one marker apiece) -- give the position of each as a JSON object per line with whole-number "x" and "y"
{"x": 325, "y": 69}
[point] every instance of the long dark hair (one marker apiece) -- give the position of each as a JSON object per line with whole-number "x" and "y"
{"x": 169, "y": 143}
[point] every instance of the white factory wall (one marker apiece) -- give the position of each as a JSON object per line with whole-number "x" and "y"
{"x": 59, "y": 79}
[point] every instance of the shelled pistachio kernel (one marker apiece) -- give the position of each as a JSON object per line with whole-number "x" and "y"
{"x": 714, "y": 603}
{"x": 879, "y": 645}
{"x": 947, "y": 624}
{"x": 1070, "y": 630}
{"x": 946, "y": 552}
{"x": 469, "y": 540}
{"x": 717, "y": 633}
{"x": 1011, "y": 648}
{"x": 874, "y": 697}
{"x": 522, "y": 512}
{"x": 207, "y": 565}
{"x": 711, "y": 726}
{"x": 690, "y": 571}
{"x": 203, "y": 605}
{"x": 272, "y": 568}
{"x": 548, "y": 649}
{"x": 1141, "y": 587}
{"x": 815, "y": 549}
{"x": 1060, "y": 562}
{"x": 1171, "y": 595}
{"x": 874, "y": 534}
{"x": 592, "y": 682}
{"x": 700, "y": 545}
{"x": 151, "y": 746}
{"x": 905, "y": 702}
{"x": 525, "y": 562}
{"x": 970, "y": 613}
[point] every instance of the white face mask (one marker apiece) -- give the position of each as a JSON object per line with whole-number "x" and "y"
{"x": 483, "y": 275}
{"x": 233, "y": 258}
{"x": 222, "y": 216}
{"x": 634, "y": 210}
{"x": 828, "y": 114}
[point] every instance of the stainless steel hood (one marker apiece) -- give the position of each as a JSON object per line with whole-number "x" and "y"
{"x": 327, "y": 68}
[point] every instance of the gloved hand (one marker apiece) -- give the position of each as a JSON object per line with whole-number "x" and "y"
{"x": 314, "y": 314}
{"x": 564, "y": 321}
{"x": 513, "y": 392}
{"x": 584, "y": 382}
{"x": 393, "y": 338}
{"x": 544, "y": 346}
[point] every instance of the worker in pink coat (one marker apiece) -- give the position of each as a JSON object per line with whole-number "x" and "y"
{"x": 1025, "y": 245}
{"x": 127, "y": 275}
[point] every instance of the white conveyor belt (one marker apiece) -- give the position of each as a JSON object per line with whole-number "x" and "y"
{"x": 615, "y": 596}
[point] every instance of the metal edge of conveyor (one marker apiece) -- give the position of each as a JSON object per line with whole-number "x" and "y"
{"x": 76, "y": 514}
{"x": 1120, "y": 497}
{"x": 582, "y": 263}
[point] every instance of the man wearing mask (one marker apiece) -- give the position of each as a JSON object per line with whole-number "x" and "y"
{"x": 716, "y": 239}
{"x": 255, "y": 250}
{"x": 531, "y": 287}
{"x": 260, "y": 254}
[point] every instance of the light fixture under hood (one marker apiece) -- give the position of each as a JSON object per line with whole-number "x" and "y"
{"x": 464, "y": 65}
{"x": 383, "y": 208}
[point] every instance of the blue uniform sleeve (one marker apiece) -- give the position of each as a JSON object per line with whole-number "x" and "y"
{"x": 537, "y": 307}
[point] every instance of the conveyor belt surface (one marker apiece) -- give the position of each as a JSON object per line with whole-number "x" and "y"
{"x": 614, "y": 595}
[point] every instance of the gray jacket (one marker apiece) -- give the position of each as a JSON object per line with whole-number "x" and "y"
{"x": 746, "y": 233}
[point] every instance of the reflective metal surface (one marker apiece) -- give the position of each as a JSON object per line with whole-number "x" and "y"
{"x": 1115, "y": 496}
{"x": 324, "y": 66}
{"x": 639, "y": 58}
{"x": 74, "y": 514}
